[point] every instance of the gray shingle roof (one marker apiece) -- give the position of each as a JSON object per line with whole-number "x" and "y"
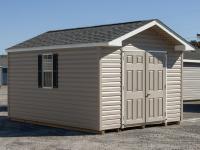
{"x": 193, "y": 55}
{"x": 95, "y": 34}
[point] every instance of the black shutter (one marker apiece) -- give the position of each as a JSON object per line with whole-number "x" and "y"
{"x": 55, "y": 70}
{"x": 39, "y": 71}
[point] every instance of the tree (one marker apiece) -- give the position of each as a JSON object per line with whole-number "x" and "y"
{"x": 195, "y": 43}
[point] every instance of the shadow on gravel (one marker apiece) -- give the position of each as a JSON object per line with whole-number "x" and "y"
{"x": 10, "y": 128}
{"x": 191, "y": 107}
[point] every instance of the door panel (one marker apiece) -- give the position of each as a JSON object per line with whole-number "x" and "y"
{"x": 155, "y": 86}
{"x": 134, "y": 87}
{"x": 144, "y": 87}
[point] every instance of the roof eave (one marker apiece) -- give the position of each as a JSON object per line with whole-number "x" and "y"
{"x": 184, "y": 46}
{"x": 55, "y": 47}
{"x": 191, "y": 61}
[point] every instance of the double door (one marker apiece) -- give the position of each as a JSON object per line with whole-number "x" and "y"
{"x": 144, "y": 87}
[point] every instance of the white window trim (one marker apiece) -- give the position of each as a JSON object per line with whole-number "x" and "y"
{"x": 44, "y": 87}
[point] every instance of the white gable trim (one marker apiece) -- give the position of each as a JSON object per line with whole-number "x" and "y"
{"x": 119, "y": 40}
{"x": 116, "y": 42}
{"x": 191, "y": 61}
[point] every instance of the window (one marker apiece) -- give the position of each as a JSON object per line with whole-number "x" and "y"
{"x": 47, "y": 74}
{"x": 48, "y": 71}
{"x": 4, "y": 76}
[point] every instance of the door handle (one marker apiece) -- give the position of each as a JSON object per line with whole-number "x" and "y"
{"x": 147, "y": 95}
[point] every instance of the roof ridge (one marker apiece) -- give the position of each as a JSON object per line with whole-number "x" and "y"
{"x": 95, "y": 26}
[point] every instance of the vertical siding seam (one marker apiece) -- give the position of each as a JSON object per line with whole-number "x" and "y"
{"x": 1, "y": 75}
{"x": 181, "y": 116}
{"x": 122, "y": 88}
{"x": 8, "y": 99}
{"x": 166, "y": 103}
{"x": 100, "y": 89}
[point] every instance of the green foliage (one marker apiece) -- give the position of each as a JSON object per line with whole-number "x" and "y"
{"x": 195, "y": 43}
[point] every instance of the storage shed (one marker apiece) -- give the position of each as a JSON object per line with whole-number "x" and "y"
{"x": 3, "y": 69}
{"x": 98, "y": 78}
{"x": 191, "y": 75}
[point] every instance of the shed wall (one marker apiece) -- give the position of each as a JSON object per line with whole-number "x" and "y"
{"x": 74, "y": 103}
{"x": 111, "y": 73}
{"x": 111, "y": 88}
{"x": 191, "y": 81}
{"x": 3, "y": 61}
{"x": 153, "y": 40}
{"x": 1, "y": 76}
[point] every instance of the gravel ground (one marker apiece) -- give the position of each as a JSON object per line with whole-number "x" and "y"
{"x": 14, "y": 135}
{"x": 21, "y": 136}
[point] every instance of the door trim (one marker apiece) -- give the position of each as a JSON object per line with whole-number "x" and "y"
{"x": 122, "y": 90}
{"x": 123, "y": 125}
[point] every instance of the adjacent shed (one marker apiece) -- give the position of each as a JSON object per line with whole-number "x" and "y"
{"x": 98, "y": 78}
{"x": 191, "y": 75}
{"x": 3, "y": 69}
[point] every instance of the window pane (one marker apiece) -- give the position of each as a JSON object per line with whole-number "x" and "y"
{"x": 4, "y": 70}
{"x": 47, "y": 79}
{"x": 47, "y": 67}
{"x": 47, "y": 70}
{"x": 48, "y": 58}
{"x": 47, "y": 62}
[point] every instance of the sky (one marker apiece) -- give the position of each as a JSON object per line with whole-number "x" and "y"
{"x": 23, "y": 19}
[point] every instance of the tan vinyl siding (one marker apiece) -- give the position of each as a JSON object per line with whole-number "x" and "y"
{"x": 111, "y": 89}
{"x": 191, "y": 81}
{"x": 89, "y": 93}
{"x": 74, "y": 103}
{"x": 111, "y": 76}
{"x": 174, "y": 87}
{"x": 155, "y": 40}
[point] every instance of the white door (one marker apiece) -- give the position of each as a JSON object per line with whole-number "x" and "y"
{"x": 144, "y": 87}
{"x": 134, "y": 87}
{"x": 155, "y": 86}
